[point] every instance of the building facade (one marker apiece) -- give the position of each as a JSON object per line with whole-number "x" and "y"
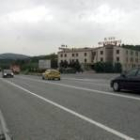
{"x": 116, "y": 54}
{"x": 83, "y": 55}
{"x": 108, "y": 53}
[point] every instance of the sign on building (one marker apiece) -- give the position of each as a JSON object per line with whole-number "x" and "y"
{"x": 110, "y": 41}
{"x": 44, "y": 64}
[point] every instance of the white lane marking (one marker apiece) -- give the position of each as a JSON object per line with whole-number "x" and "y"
{"x": 89, "y": 120}
{"x": 4, "y": 128}
{"x": 85, "y": 89}
{"x": 82, "y": 79}
{"x": 89, "y": 80}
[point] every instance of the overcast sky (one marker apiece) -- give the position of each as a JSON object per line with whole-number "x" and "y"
{"x": 35, "y": 27}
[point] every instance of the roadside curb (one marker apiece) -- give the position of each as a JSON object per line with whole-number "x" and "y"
{"x": 4, "y": 132}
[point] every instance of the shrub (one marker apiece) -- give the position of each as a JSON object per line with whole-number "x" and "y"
{"x": 107, "y": 67}
{"x": 117, "y": 67}
{"x": 99, "y": 67}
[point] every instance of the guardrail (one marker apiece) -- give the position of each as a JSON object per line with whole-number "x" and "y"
{"x": 4, "y": 132}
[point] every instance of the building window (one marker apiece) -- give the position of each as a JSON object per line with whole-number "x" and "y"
{"x": 73, "y": 55}
{"x": 127, "y": 59}
{"x": 101, "y": 59}
{"x": 118, "y": 59}
{"x": 85, "y": 54}
{"x": 76, "y": 54}
{"x": 77, "y": 60}
{"x": 131, "y": 52}
{"x": 131, "y": 59}
{"x": 136, "y": 53}
{"x": 101, "y": 52}
{"x": 65, "y": 55}
{"x": 136, "y": 60}
{"x": 85, "y": 60}
{"x": 117, "y": 51}
{"x": 61, "y": 55}
{"x": 133, "y": 65}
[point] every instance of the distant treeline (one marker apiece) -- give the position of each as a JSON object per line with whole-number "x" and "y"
{"x": 6, "y": 63}
{"x": 31, "y": 63}
{"x": 132, "y": 47}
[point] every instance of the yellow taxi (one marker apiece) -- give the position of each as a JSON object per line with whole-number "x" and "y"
{"x": 51, "y": 74}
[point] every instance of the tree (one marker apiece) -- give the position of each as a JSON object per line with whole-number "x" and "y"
{"x": 99, "y": 67}
{"x": 71, "y": 64}
{"x": 108, "y": 67}
{"x": 61, "y": 64}
{"x": 77, "y": 66}
{"x": 65, "y": 64}
{"x": 117, "y": 67}
{"x": 131, "y": 47}
{"x": 54, "y": 63}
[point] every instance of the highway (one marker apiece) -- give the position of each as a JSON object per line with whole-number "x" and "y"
{"x": 70, "y": 109}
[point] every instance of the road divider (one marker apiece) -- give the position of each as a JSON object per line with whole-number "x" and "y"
{"x": 80, "y": 116}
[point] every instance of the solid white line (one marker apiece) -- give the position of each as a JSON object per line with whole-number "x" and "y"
{"x": 4, "y": 127}
{"x": 82, "y": 79}
{"x": 104, "y": 127}
{"x": 85, "y": 89}
{"x": 88, "y": 80}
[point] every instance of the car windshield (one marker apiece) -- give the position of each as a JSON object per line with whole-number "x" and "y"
{"x": 7, "y": 71}
{"x": 55, "y": 71}
{"x": 132, "y": 72}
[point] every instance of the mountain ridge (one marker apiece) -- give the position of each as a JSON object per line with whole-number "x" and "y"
{"x": 13, "y": 56}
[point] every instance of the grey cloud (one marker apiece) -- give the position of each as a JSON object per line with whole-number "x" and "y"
{"x": 77, "y": 22}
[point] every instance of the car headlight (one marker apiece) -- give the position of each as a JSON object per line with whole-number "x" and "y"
{"x": 12, "y": 73}
{"x": 5, "y": 73}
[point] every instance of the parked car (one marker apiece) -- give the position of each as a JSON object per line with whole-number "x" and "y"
{"x": 128, "y": 81}
{"x": 51, "y": 74}
{"x": 7, "y": 73}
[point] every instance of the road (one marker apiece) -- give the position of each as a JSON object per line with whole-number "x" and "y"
{"x": 70, "y": 109}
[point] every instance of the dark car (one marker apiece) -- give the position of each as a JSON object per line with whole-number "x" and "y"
{"x": 128, "y": 81}
{"x": 7, "y": 73}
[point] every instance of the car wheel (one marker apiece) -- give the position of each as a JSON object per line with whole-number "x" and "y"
{"x": 43, "y": 78}
{"x": 59, "y": 79}
{"x": 116, "y": 86}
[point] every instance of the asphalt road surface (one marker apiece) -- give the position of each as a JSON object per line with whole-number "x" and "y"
{"x": 70, "y": 109}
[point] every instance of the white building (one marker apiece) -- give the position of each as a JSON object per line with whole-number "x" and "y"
{"x": 83, "y": 55}
{"x": 116, "y": 54}
{"x": 108, "y": 53}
